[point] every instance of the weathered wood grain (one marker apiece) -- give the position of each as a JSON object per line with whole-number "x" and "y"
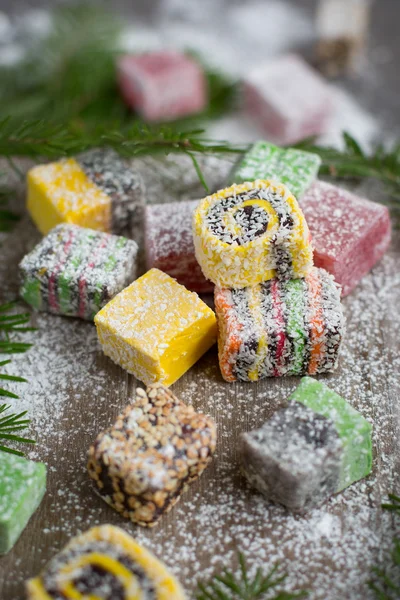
{"x": 76, "y": 392}
{"x": 82, "y": 391}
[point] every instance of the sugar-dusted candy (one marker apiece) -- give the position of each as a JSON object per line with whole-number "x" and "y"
{"x": 22, "y": 487}
{"x": 169, "y": 243}
{"x": 156, "y": 329}
{"x": 350, "y": 234}
{"x": 162, "y": 85}
{"x": 250, "y": 233}
{"x": 288, "y": 99}
{"x": 279, "y": 328}
{"x": 294, "y": 458}
{"x": 352, "y": 428}
{"x": 98, "y": 189}
{"x": 104, "y": 563}
{"x": 315, "y": 447}
{"x": 146, "y": 460}
{"x": 342, "y": 28}
{"x": 75, "y": 271}
{"x": 296, "y": 169}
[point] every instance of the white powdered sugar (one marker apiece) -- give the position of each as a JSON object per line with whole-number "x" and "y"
{"x": 74, "y": 392}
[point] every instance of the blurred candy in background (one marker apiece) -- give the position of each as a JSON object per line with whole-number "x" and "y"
{"x": 184, "y": 58}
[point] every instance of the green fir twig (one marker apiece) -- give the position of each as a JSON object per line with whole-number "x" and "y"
{"x": 11, "y": 423}
{"x": 381, "y": 164}
{"x": 227, "y": 586}
{"x": 40, "y": 138}
{"x": 382, "y": 583}
{"x": 70, "y": 74}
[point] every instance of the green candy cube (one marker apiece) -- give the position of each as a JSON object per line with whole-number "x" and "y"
{"x": 295, "y": 168}
{"x": 22, "y": 487}
{"x": 353, "y": 430}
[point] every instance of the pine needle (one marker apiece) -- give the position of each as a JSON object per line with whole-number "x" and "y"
{"x": 227, "y": 586}
{"x": 70, "y": 74}
{"x": 394, "y": 505}
{"x": 382, "y": 583}
{"x": 352, "y": 163}
{"x": 11, "y": 423}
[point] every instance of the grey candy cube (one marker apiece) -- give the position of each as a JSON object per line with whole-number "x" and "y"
{"x": 294, "y": 459}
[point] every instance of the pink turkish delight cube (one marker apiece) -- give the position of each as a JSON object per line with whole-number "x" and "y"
{"x": 350, "y": 234}
{"x": 288, "y": 99}
{"x": 162, "y": 85}
{"x": 169, "y": 243}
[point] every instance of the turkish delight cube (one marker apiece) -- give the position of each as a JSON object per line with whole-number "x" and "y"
{"x": 279, "y": 328}
{"x": 104, "y": 563}
{"x": 22, "y": 487}
{"x": 294, "y": 458}
{"x": 162, "y": 85}
{"x": 97, "y": 189}
{"x": 169, "y": 244}
{"x": 288, "y": 99}
{"x": 294, "y": 168}
{"x": 156, "y": 329}
{"x": 145, "y": 461}
{"x": 350, "y": 234}
{"x": 315, "y": 447}
{"x": 75, "y": 271}
{"x": 352, "y": 428}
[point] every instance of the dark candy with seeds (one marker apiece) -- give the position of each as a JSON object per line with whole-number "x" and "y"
{"x": 157, "y": 447}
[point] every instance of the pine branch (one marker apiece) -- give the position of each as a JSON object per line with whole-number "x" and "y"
{"x": 11, "y": 423}
{"x": 352, "y": 162}
{"x": 5, "y": 377}
{"x": 227, "y": 586}
{"x": 36, "y": 139}
{"x": 71, "y": 74}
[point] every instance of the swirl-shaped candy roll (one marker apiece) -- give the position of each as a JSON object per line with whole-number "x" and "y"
{"x": 250, "y": 233}
{"x": 105, "y": 562}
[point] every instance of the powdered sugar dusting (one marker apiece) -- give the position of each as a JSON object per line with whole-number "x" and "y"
{"x": 74, "y": 393}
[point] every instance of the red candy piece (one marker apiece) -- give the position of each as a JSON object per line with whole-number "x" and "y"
{"x": 288, "y": 99}
{"x": 169, "y": 244}
{"x": 162, "y": 85}
{"x": 350, "y": 234}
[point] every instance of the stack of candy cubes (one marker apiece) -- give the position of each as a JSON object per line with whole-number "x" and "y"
{"x": 277, "y": 313}
{"x": 275, "y": 246}
{"x": 349, "y": 234}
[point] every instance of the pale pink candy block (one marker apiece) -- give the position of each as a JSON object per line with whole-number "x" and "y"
{"x": 288, "y": 99}
{"x": 169, "y": 243}
{"x": 350, "y": 234}
{"x": 162, "y": 85}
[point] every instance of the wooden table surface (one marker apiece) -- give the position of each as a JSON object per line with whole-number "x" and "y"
{"x": 74, "y": 392}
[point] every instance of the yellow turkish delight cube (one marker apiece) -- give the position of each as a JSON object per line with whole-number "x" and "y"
{"x": 156, "y": 329}
{"x": 61, "y": 192}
